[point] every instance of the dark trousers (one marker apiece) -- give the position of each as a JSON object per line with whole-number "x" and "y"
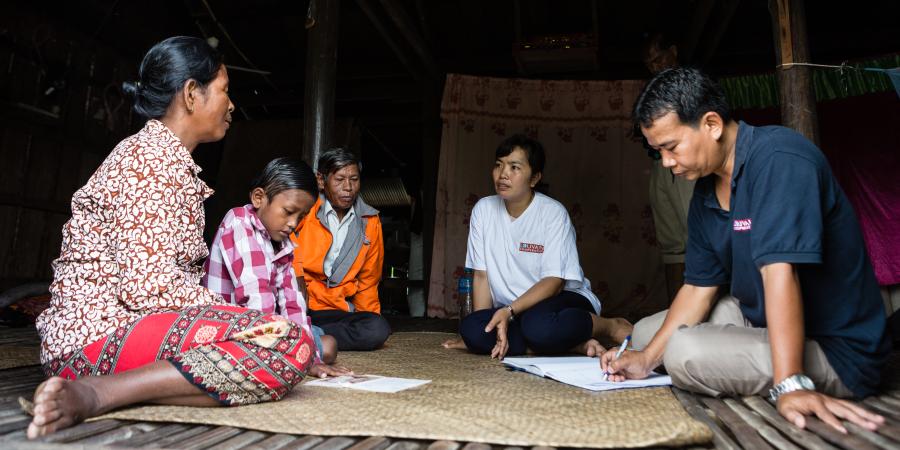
{"x": 553, "y": 326}
{"x": 353, "y": 330}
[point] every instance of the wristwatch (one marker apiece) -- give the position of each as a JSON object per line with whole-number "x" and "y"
{"x": 796, "y": 382}
{"x": 512, "y": 313}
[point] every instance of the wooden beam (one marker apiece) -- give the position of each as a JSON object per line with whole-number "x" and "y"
{"x": 319, "y": 86}
{"x": 798, "y": 100}
{"x": 407, "y": 28}
{"x": 427, "y": 32}
{"x": 369, "y": 10}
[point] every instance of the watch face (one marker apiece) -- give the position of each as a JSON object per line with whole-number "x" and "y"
{"x": 806, "y": 382}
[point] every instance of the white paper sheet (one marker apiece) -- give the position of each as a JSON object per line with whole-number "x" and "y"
{"x": 371, "y": 383}
{"x": 580, "y": 371}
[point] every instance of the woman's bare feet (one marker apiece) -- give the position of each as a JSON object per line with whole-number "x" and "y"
{"x": 61, "y": 403}
{"x": 621, "y": 329}
{"x": 456, "y": 343}
{"x": 615, "y": 329}
{"x": 590, "y": 347}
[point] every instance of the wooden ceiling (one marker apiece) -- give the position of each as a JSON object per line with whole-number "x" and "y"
{"x": 375, "y": 86}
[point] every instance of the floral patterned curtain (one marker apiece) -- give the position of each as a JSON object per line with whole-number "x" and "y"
{"x": 595, "y": 167}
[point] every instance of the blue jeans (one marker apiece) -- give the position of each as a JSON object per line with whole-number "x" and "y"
{"x": 552, "y": 326}
{"x": 317, "y": 336}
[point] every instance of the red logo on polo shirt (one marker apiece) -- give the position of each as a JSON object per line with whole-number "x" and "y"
{"x": 531, "y": 248}
{"x": 742, "y": 224}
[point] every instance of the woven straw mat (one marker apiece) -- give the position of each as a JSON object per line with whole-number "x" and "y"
{"x": 471, "y": 398}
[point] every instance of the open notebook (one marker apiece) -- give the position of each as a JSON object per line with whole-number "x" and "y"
{"x": 580, "y": 371}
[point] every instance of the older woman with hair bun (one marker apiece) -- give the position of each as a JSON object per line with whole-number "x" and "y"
{"x": 128, "y": 320}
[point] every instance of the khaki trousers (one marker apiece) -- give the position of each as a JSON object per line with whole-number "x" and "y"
{"x": 727, "y": 356}
{"x": 670, "y": 198}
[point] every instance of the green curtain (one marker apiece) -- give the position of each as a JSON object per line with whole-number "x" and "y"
{"x": 761, "y": 91}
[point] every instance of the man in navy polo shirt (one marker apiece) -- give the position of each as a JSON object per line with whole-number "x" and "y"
{"x": 803, "y": 321}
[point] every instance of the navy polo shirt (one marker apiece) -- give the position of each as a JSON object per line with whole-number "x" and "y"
{"x": 787, "y": 207}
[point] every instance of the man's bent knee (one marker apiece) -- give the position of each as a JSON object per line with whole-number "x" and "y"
{"x": 377, "y": 330}
{"x": 646, "y": 328}
{"x": 684, "y": 352}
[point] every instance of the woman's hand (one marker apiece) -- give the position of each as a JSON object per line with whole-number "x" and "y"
{"x": 500, "y": 321}
{"x": 328, "y": 370}
{"x": 795, "y": 406}
{"x": 632, "y": 365}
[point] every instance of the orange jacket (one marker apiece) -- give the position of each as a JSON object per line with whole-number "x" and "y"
{"x": 359, "y": 285}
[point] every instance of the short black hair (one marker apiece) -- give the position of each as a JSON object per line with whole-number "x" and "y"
{"x": 165, "y": 69}
{"x": 282, "y": 174}
{"x": 335, "y": 159}
{"x": 533, "y": 149}
{"x": 686, "y": 91}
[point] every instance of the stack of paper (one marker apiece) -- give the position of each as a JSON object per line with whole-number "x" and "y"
{"x": 371, "y": 383}
{"x": 580, "y": 371}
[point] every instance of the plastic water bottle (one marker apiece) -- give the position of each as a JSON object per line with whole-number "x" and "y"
{"x": 464, "y": 293}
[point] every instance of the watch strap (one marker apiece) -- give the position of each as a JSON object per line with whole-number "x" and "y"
{"x": 796, "y": 382}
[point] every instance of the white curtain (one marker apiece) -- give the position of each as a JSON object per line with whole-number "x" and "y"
{"x": 595, "y": 167}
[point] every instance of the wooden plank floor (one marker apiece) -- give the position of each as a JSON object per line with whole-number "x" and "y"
{"x": 737, "y": 423}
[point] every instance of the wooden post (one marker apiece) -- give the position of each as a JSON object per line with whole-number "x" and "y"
{"x": 321, "y": 63}
{"x": 798, "y": 99}
{"x": 432, "y": 127}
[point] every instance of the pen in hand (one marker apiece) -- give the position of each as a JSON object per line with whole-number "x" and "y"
{"x": 617, "y": 355}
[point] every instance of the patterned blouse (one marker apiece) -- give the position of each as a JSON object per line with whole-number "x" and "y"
{"x": 134, "y": 245}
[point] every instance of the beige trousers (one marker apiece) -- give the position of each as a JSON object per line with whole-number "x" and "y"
{"x": 670, "y": 199}
{"x": 727, "y": 356}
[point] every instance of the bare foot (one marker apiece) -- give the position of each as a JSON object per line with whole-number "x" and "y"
{"x": 456, "y": 343}
{"x": 616, "y": 329}
{"x": 590, "y": 348}
{"x": 61, "y": 403}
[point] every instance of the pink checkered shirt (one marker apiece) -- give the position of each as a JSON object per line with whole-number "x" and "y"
{"x": 245, "y": 270}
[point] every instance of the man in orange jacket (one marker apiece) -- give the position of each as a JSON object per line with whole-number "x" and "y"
{"x": 339, "y": 253}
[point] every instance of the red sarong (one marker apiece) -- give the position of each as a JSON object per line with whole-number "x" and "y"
{"x": 236, "y": 355}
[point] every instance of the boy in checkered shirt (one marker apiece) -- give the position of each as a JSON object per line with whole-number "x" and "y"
{"x": 250, "y": 261}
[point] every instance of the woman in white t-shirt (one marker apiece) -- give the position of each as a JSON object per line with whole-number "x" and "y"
{"x": 529, "y": 290}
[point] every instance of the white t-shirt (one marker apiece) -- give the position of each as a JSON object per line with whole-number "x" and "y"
{"x": 517, "y": 253}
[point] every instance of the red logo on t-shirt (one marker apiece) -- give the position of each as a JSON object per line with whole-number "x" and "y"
{"x": 531, "y": 248}
{"x": 742, "y": 224}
